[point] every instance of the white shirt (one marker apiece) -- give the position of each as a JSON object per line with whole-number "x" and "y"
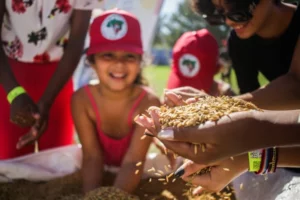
{"x": 37, "y": 30}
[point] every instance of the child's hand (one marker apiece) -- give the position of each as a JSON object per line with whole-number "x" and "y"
{"x": 219, "y": 177}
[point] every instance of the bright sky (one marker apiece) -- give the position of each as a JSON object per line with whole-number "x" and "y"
{"x": 170, "y": 6}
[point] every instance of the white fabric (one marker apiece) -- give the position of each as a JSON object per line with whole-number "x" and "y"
{"x": 42, "y": 166}
{"x": 282, "y": 185}
{"x": 42, "y": 17}
{"x": 54, "y": 163}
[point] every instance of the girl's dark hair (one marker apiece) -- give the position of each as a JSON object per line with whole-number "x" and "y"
{"x": 139, "y": 80}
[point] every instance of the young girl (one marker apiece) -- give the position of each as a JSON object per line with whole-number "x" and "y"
{"x": 104, "y": 113}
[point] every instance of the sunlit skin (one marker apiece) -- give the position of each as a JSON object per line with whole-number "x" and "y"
{"x": 269, "y": 20}
{"x": 117, "y": 70}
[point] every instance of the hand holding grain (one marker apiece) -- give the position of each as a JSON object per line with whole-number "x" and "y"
{"x": 205, "y": 131}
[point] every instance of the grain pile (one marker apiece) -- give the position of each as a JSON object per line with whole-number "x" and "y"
{"x": 109, "y": 193}
{"x": 69, "y": 188}
{"x": 205, "y": 109}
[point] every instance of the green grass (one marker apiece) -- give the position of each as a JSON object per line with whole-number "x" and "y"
{"x": 157, "y": 77}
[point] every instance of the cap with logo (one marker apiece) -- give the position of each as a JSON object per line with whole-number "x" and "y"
{"x": 195, "y": 58}
{"x": 115, "y": 30}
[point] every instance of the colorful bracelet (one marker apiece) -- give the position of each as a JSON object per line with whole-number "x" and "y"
{"x": 262, "y": 164}
{"x": 14, "y": 93}
{"x": 273, "y": 163}
{"x": 269, "y": 155}
{"x": 269, "y": 161}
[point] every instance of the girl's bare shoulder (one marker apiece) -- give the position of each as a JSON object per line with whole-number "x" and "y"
{"x": 81, "y": 96}
{"x": 150, "y": 99}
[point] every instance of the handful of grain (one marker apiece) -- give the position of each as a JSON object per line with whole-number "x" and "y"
{"x": 110, "y": 193}
{"x": 208, "y": 108}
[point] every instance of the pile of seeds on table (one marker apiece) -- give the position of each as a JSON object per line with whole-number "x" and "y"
{"x": 110, "y": 193}
{"x": 207, "y": 108}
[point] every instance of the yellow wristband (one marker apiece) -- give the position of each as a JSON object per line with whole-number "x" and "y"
{"x": 15, "y": 93}
{"x": 254, "y": 160}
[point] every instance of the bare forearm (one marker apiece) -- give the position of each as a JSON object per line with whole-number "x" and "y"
{"x": 281, "y": 94}
{"x": 127, "y": 172}
{"x": 71, "y": 57}
{"x": 92, "y": 173}
{"x": 64, "y": 71}
{"x": 7, "y": 77}
{"x": 289, "y": 157}
{"x": 277, "y": 128}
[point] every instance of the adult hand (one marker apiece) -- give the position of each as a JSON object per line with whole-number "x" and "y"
{"x": 220, "y": 175}
{"x": 23, "y": 111}
{"x": 179, "y": 96}
{"x": 212, "y": 141}
{"x": 38, "y": 127}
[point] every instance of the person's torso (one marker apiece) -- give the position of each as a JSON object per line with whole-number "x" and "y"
{"x": 270, "y": 57}
{"x": 38, "y": 30}
{"x": 115, "y": 126}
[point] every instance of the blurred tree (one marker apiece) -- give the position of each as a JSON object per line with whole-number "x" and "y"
{"x": 170, "y": 29}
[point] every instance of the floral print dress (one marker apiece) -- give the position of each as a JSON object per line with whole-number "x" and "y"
{"x": 36, "y": 31}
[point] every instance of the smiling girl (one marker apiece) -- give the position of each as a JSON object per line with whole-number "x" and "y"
{"x": 103, "y": 113}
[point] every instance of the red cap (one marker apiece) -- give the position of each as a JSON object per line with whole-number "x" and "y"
{"x": 195, "y": 61}
{"x": 115, "y": 30}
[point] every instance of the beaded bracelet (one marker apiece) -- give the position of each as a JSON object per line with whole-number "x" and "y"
{"x": 262, "y": 164}
{"x": 274, "y": 160}
{"x": 269, "y": 161}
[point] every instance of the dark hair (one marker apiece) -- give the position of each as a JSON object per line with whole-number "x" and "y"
{"x": 203, "y": 6}
{"x": 207, "y": 7}
{"x": 139, "y": 80}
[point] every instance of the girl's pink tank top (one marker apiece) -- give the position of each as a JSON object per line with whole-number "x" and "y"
{"x": 114, "y": 149}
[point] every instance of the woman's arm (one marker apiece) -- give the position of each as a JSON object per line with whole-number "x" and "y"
{"x": 92, "y": 163}
{"x": 218, "y": 178}
{"x": 79, "y": 26}
{"x": 72, "y": 54}
{"x": 7, "y": 78}
{"x": 231, "y": 135}
{"x": 282, "y": 93}
{"x": 22, "y": 108}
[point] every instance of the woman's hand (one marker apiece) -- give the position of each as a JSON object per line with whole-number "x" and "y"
{"x": 212, "y": 142}
{"x": 23, "y": 111}
{"x": 38, "y": 128}
{"x": 220, "y": 175}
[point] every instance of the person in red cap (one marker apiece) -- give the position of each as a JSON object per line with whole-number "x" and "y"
{"x": 195, "y": 62}
{"x": 103, "y": 113}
